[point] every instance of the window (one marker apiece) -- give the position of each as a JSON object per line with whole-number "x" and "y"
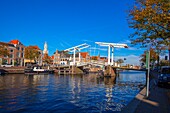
{"x": 22, "y": 49}
{"x": 11, "y": 56}
{"x": 18, "y": 54}
{"x": 22, "y": 55}
{"x": 18, "y": 48}
{"x": 11, "y": 62}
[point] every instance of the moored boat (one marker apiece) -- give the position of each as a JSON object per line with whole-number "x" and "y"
{"x": 38, "y": 70}
{"x": 2, "y": 72}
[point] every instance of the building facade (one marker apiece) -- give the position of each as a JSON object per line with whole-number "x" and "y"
{"x": 11, "y": 50}
{"x": 85, "y": 57}
{"x": 16, "y": 54}
{"x": 63, "y": 58}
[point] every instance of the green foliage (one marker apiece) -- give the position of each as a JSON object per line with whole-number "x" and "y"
{"x": 151, "y": 21}
{"x": 120, "y": 61}
{"x": 15, "y": 63}
{"x": 4, "y": 61}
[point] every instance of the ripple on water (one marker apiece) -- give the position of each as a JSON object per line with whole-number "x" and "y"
{"x": 66, "y": 94}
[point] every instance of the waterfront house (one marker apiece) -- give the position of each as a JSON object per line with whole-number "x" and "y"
{"x": 85, "y": 57}
{"x": 61, "y": 58}
{"x": 16, "y": 53}
{"x": 7, "y": 59}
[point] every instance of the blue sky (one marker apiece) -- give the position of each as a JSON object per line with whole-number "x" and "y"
{"x": 66, "y": 23}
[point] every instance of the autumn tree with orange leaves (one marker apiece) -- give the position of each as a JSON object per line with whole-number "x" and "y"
{"x": 46, "y": 59}
{"x": 31, "y": 53}
{"x": 150, "y": 20}
{"x": 153, "y": 56}
{"x": 3, "y": 51}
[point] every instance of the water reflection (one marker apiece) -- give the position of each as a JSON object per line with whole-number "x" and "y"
{"x": 67, "y": 93}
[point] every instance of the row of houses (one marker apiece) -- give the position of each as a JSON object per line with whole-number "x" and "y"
{"x": 64, "y": 58}
{"x": 16, "y": 55}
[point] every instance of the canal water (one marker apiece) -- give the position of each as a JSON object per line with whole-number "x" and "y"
{"x": 68, "y": 93}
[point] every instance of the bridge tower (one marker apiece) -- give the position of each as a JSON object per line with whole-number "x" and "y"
{"x": 109, "y": 70}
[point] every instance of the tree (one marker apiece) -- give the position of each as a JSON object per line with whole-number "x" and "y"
{"x": 151, "y": 21}
{"x": 153, "y": 56}
{"x": 46, "y": 59}
{"x": 120, "y": 61}
{"x": 3, "y": 51}
{"x": 94, "y": 57}
{"x": 31, "y": 53}
{"x": 164, "y": 62}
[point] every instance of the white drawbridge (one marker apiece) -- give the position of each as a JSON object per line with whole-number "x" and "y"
{"x": 75, "y": 48}
{"x": 111, "y": 45}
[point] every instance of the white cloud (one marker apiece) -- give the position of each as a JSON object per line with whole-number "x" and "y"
{"x": 66, "y": 43}
{"x": 94, "y": 48}
{"x": 162, "y": 57}
{"x": 133, "y": 48}
{"x": 62, "y": 44}
{"x": 125, "y": 42}
{"x": 130, "y": 59}
{"x": 87, "y": 40}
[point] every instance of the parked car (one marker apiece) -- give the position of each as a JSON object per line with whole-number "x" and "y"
{"x": 164, "y": 75}
{"x": 156, "y": 69}
{"x": 7, "y": 65}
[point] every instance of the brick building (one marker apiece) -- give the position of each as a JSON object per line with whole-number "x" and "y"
{"x": 8, "y": 59}
{"x": 16, "y": 53}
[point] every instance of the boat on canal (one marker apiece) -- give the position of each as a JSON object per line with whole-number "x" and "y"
{"x": 2, "y": 72}
{"x": 37, "y": 70}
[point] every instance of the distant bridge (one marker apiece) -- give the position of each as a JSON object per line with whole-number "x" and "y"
{"x": 124, "y": 68}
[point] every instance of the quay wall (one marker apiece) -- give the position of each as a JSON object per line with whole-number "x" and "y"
{"x": 12, "y": 70}
{"x": 20, "y": 70}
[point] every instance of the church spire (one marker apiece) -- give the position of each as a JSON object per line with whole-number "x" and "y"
{"x": 45, "y": 51}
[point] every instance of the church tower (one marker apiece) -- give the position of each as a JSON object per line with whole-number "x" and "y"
{"x": 45, "y": 51}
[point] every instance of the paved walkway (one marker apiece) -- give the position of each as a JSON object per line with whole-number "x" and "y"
{"x": 157, "y": 102}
